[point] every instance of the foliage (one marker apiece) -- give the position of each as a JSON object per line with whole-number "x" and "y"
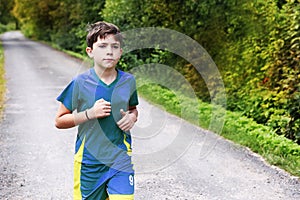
{"x": 245, "y": 131}
{"x": 7, "y": 27}
{"x": 5, "y": 15}
{"x": 62, "y": 22}
{"x": 269, "y": 87}
{"x": 283, "y": 71}
{"x": 199, "y": 20}
{"x": 34, "y": 17}
{"x": 240, "y": 36}
{"x": 70, "y": 21}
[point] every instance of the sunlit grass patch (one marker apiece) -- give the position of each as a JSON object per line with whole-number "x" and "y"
{"x": 2, "y": 79}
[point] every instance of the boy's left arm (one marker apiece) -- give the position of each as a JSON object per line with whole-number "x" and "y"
{"x": 133, "y": 110}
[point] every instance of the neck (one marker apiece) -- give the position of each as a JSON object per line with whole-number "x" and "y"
{"x": 107, "y": 75}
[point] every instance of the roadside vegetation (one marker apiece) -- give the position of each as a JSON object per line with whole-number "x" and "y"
{"x": 254, "y": 43}
{"x": 2, "y": 80}
{"x": 276, "y": 150}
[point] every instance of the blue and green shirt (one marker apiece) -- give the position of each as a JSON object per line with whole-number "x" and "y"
{"x": 101, "y": 141}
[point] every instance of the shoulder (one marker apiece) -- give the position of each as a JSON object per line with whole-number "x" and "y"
{"x": 126, "y": 79}
{"x": 80, "y": 78}
{"x": 125, "y": 75}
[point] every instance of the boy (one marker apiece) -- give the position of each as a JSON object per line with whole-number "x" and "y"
{"x": 102, "y": 101}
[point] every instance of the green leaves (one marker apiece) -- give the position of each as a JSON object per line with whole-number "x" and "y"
{"x": 60, "y": 22}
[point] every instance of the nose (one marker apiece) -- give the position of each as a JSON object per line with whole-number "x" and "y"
{"x": 109, "y": 51}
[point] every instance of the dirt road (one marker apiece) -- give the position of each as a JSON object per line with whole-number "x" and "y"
{"x": 36, "y": 159}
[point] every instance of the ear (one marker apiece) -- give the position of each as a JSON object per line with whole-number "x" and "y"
{"x": 89, "y": 51}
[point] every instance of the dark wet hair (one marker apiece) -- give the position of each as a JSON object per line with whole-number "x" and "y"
{"x": 102, "y": 29}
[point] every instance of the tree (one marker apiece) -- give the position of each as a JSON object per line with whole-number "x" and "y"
{"x": 6, "y": 7}
{"x": 34, "y": 17}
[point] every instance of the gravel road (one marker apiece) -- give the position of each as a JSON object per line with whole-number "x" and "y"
{"x": 36, "y": 159}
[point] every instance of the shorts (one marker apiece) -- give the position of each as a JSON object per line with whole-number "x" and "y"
{"x": 98, "y": 182}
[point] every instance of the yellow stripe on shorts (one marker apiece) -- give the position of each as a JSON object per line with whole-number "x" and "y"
{"x": 77, "y": 168}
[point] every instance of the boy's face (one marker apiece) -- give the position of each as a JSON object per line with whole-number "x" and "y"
{"x": 106, "y": 52}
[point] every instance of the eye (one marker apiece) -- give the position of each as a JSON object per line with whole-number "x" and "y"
{"x": 102, "y": 46}
{"x": 116, "y": 47}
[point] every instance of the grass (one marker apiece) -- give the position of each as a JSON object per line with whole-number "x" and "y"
{"x": 71, "y": 53}
{"x": 2, "y": 80}
{"x": 276, "y": 150}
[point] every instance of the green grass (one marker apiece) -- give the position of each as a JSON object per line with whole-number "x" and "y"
{"x": 277, "y": 150}
{"x": 2, "y": 79}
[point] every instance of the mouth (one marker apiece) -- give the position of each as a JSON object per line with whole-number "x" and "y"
{"x": 109, "y": 59}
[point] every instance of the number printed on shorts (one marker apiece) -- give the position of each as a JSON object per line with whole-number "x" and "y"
{"x": 130, "y": 179}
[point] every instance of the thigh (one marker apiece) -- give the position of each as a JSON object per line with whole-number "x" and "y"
{"x": 98, "y": 194}
{"x": 121, "y": 186}
{"x": 91, "y": 182}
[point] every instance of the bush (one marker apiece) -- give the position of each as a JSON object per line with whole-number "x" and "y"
{"x": 7, "y": 27}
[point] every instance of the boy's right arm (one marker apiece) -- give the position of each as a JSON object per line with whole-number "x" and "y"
{"x": 66, "y": 119}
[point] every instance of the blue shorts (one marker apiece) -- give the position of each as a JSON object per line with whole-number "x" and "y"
{"x": 98, "y": 182}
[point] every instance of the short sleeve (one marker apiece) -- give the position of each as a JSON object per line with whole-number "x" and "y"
{"x": 68, "y": 96}
{"x": 133, "y": 101}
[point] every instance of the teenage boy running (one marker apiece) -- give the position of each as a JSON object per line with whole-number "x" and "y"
{"x": 102, "y": 101}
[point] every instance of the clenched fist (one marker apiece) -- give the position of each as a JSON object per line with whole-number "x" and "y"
{"x": 127, "y": 121}
{"x": 100, "y": 109}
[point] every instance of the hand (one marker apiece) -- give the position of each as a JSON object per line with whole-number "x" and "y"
{"x": 100, "y": 109}
{"x": 127, "y": 121}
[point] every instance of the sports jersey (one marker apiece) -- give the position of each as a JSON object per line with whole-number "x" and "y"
{"x": 101, "y": 141}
